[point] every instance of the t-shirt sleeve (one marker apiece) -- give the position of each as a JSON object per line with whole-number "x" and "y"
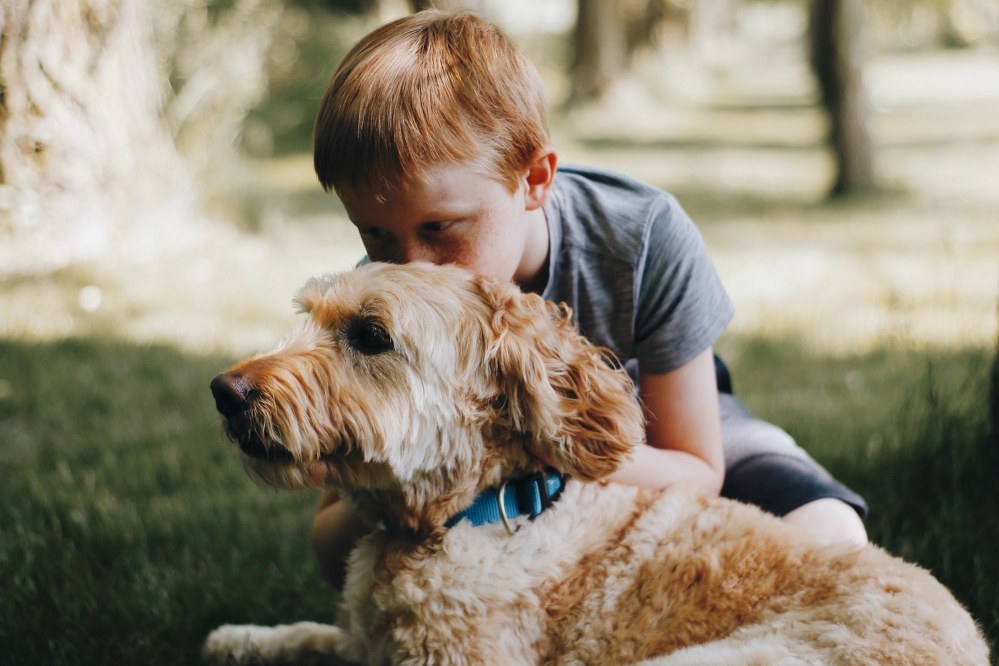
{"x": 682, "y": 307}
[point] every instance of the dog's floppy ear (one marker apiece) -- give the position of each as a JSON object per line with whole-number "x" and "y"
{"x": 580, "y": 414}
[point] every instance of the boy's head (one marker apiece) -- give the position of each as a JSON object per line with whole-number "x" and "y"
{"x": 428, "y": 90}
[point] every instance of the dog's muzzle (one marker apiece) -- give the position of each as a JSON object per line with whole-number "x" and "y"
{"x": 235, "y": 395}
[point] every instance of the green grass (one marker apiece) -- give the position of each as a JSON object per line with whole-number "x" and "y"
{"x": 128, "y": 528}
{"x": 908, "y": 430}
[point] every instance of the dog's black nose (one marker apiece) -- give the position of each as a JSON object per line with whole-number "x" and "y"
{"x": 233, "y": 394}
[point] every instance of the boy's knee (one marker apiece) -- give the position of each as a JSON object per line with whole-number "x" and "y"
{"x": 830, "y": 520}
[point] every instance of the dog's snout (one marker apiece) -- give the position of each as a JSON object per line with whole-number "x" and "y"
{"x": 233, "y": 393}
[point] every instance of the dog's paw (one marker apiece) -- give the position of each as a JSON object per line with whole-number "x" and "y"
{"x": 234, "y": 643}
{"x": 237, "y": 643}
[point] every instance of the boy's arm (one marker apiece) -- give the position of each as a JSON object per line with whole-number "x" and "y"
{"x": 683, "y": 431}
{"x": 336, "y": 529}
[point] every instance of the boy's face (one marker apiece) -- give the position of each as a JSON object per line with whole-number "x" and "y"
{"x": 456, "y": 216}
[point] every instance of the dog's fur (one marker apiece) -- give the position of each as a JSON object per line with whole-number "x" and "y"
{"x": 412, "y": 388}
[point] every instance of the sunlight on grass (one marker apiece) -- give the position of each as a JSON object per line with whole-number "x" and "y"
{"x": 228, "y": 291}
{"x": 918, "y": 266}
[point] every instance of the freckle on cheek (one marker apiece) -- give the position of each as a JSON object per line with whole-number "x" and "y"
{"x": 461, "y": 255}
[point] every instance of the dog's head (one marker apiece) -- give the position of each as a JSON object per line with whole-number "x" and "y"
{"x": 414, "y": 387}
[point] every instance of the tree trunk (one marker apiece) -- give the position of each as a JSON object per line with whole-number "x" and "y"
{"x": 712, "y": 24}
{"x": 600, "y": 45}
{"x": 994, "y": 400}
{"x": 477, "y": 6}
{"x": 837, "y": 58}
{"x": 80, "y": 136}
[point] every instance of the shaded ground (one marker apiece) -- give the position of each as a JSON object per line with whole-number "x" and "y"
{"x": 743, "y": 153}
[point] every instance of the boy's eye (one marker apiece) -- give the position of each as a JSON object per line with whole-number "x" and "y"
{"x": 373, "y": 232}
{"x": 436, "y": 227}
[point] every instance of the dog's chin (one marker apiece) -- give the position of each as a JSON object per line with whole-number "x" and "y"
{"x": 277, "y": 466}
{"x": 283, "y": 470}
{"x": 286, "y": 475}
{"x": 256, "y": 450}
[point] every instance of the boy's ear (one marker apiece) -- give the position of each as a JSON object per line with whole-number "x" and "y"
{"x": 540, "y": 175}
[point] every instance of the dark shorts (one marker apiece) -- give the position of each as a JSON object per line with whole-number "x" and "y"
{"x": 764, "y": 466}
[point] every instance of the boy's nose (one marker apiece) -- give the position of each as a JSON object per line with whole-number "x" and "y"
{"x": 414, "y": 251}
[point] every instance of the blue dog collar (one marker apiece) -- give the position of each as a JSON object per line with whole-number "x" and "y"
{"x": 526, "y": 496}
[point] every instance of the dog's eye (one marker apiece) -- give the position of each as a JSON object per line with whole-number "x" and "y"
{"x": 368, "y": 337}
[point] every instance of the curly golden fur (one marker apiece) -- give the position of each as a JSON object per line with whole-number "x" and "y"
{"x": 413, "y": 388}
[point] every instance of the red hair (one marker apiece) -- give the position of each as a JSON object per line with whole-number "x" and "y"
{"x": 425, "y": 90}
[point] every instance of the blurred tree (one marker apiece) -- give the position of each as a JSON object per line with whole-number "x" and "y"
{"x": 96, "y": 97}
{"x": 608, "y": 35}
{"x": 936, "y": 23}
{"x": 448, "y": 5}
{"x": 600, "y": 49}
{"x": 838, "y": 52}
{"x": 643, "y": 20}
{"x": 79, "y": 123}
{"x": 994, "y": 400}
{"x": 213, "y": 55}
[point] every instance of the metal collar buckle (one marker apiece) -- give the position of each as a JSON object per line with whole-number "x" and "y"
{"x": 502, "y": 510}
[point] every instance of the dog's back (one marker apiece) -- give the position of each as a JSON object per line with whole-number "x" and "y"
{"x": 614, "y": 575}
{"x": 748, "y": 588}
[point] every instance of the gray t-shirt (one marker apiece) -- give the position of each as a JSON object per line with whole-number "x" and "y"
{"x": 634, "y": 269}
{"x": 629, "y": 262}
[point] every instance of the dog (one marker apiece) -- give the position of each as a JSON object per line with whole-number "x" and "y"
{"x": 477, "y": 428}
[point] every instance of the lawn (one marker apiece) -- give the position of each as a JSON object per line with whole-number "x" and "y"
{"x": 129, "y": 528}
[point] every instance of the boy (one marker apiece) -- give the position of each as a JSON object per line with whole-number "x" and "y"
{"x": 433, "y": 134}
